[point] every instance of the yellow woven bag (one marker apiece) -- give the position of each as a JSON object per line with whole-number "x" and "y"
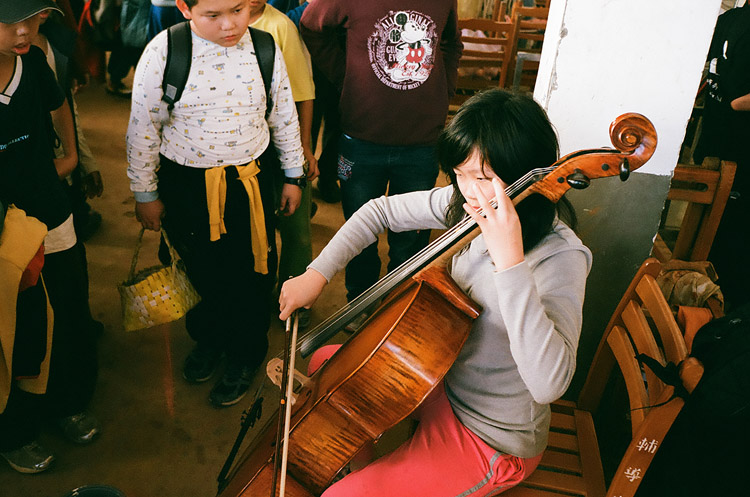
{"x": 156, "y": 295}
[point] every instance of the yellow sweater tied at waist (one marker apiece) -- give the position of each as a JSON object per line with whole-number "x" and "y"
{"x": 216, "y": 195}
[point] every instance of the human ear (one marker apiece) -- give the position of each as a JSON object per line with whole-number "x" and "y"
{"x": 183, "y": 8}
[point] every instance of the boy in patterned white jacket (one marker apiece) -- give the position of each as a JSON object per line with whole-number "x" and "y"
{"x": 183, "y": 167}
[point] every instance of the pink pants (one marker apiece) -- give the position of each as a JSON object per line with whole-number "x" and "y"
{"x": 442, "y": 459}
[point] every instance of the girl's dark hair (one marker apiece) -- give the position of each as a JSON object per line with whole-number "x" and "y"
{"x": 513, "y": 135}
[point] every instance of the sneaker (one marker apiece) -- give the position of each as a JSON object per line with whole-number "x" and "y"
{"x": 232, "y": 386}
{"x": 343, "y": 472}
{"x": 31, "y": 458}
{"x": 356, "y": 323}
{"x": 86, "y": 228}
{"x": 118, "y": 89}
{"x": 80, "y": 428}
{"x": 96, "y": 328}
{"x": 200, "y": 365}
{"x": 304, "y": 318}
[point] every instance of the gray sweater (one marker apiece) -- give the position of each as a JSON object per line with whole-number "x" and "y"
{"x": 520, "y": 354}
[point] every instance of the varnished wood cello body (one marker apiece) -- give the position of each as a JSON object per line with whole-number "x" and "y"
{"x": 384, "y": 371}
{"x": 425, "y": 332}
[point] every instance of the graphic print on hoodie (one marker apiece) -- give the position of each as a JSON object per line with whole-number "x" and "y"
{"x": 402, "y": 49}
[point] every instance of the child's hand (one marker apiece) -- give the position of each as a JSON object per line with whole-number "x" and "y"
{"x": 93, "y": 185}
{"x": 301, "y": 291}
{"x": 291, "y": 196}
{"x": 500, "y": 227}
{"x": 312, "y": 164}
{"x": 150, "y": 214}
{"x": 65, "y": 165}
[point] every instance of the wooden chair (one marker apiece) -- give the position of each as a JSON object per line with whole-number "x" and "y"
{"x": 485, "y": 59}
{"x": 531, "y": 23}
{"x": 500, "y": 10}
{"x": 706, "y": 189}
{"x": 571, "y": 464}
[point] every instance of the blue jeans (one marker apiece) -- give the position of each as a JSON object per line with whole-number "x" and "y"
{"x": 367, "y": 170}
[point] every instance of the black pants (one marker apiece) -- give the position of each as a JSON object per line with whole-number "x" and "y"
{"x": 728, "y": 252}
{"x": 234, "y": 313}
{"x": 326, "y": 107}
{"x": 122, "y": 59}
{"x": 22, "y": 416}
{"x": 73, "y": 365}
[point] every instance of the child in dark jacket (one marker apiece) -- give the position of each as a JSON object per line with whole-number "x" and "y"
{"x": 32, "y": 107}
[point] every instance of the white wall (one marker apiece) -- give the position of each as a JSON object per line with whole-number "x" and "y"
{"x": 604, "y": 58}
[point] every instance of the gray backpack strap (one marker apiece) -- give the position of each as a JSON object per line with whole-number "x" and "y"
{"x": 179, "y": 58}
{"x": 265, "y": 52}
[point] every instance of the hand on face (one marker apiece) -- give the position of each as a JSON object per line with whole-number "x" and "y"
{"x": 501, "y": 228}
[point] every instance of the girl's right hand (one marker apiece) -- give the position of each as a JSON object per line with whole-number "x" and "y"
{"x": 500, "y": 227}
{"x": 301, "y": 291}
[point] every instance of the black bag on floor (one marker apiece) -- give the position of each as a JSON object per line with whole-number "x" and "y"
{"x": 705, "y": 452}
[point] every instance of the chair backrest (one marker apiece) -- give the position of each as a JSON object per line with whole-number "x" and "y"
{"x": 485, "y": 58}
{"x": 530, "y": 26}
{"x": 706, "y": 189}
{"x": 500, "y": 10}
{"x": 531, "y": 21}
{"x": 642, "y": 323}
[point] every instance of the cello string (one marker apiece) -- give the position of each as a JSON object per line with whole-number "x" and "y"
{"x": 466, "y": 224}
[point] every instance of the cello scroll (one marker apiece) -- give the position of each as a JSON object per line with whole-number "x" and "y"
{"x": 634, "y": 139}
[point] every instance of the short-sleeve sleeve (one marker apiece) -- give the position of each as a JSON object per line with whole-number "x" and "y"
{"x": 49, "y": 91}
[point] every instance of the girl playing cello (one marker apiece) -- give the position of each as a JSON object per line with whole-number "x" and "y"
{"x": 485, "y": 427}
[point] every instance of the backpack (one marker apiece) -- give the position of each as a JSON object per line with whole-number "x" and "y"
{"x": 134, "y": 20}
{"x": 179, "y": 59}
{"x": 705, "y": 451}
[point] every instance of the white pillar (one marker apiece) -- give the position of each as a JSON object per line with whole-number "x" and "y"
{"x": 602, "y": 59}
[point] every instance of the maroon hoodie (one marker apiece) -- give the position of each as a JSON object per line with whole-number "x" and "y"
{"x": 397, "y": 72}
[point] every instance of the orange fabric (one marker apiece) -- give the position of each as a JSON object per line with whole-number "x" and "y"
{"x": 690, "y": 320}
{"x": 31, "y": 274}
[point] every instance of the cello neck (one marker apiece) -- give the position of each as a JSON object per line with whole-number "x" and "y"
{"x": 634, "y": 139}
{"x": 437, "y": 253}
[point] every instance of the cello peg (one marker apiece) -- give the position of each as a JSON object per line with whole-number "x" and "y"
{"x": 578, "y": 180}
{"x": 624, "y": 169}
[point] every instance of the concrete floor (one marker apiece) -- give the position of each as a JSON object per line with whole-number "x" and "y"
{"x": 160, "y": 436}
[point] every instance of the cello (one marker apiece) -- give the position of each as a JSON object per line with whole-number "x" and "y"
{"x": 385, "y": 370}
